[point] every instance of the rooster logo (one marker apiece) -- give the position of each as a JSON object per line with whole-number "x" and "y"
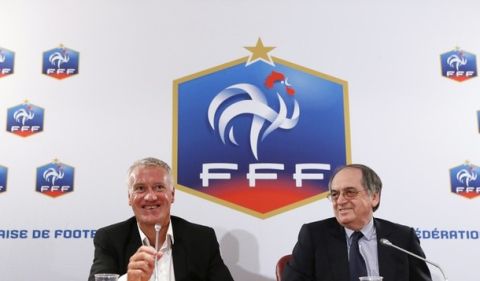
{"x": 22, "y": 115}
{"x": 456, "y": 61}
{"x": 465, "y": 176}
{"x": 51, "y": 175}
{"x": 256, "y": 105}
{"x": 58, "y": 58}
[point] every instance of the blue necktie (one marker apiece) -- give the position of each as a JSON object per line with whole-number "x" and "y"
{"x": 355, "y": 259}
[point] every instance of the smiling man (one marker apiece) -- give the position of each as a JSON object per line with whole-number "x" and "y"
{"x": 347, "y": 246}
{"x": 186, "y": 251}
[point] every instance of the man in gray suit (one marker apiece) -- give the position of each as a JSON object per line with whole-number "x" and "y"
{"x": 347, "y": 246}
{"x": 187, "y": 251}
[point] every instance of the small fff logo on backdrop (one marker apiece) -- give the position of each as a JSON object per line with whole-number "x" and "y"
{"x": 3, "y": 179}
{"x": 55, "y": 179}
{"x": 478, "y": 120}
{"x": 7, "y": 59}
{"x": 458, "y": 65}
{"x": 60, "y": 62}
{"x": 259, "y": 134}
{"x": 25, "y": 119}
{"x": 465, "y": 180}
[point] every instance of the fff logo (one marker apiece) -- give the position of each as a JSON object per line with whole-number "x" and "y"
{"x": 54, "y": 179}
{"x": 7, "y": 59}
{"x": 458, "y": 65}
{"x": 25, "y": 119}
{"x": 465, "y": 180}
{"x": 478, "y": 120}
{"x": 3, "y": 178}
{"x": 270, "y": 131}
{"x": 60, "y": 63}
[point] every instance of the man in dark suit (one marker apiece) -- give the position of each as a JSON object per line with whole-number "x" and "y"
{"x": 186, "y": 251}
{"x": 347, "y": 246}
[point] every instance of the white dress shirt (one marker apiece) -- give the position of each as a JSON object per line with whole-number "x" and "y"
{"x": 164, "y": 266}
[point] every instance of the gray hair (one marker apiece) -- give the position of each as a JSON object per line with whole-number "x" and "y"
{"x": 147, "y": 162}
{"x": 370, "y": 180}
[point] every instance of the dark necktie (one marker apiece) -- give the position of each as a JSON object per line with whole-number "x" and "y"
{"x": 355, "y": 259}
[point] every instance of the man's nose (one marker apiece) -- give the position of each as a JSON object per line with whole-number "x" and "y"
{"x": 151, "y": 195}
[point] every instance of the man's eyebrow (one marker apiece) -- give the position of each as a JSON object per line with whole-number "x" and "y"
{"x": 345, "y": 188}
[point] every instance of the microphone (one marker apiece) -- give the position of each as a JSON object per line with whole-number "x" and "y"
{"x": 386, "y": 242}
{"x": 157, "y": 235}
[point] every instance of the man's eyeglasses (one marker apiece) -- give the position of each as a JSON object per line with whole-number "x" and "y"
{"x": 348, "y": 193}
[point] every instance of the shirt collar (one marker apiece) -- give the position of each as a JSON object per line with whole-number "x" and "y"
{"x": 368, "y": 231}
{"x": 144, "y": 238}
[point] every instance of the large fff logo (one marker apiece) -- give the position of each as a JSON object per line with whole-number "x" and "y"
{"x": 3, "y": 178}
{"x": 458, "y": 65}
{"x": 60, "y": 62}
{"x": 54, "y": 179}
{"x": 7, "y": 60}
{"x": 465, "y": 180}
{"x": 259, "y": 134}
{"x": 25, "y": 119}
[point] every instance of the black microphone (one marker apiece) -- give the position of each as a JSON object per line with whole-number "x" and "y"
{"x": 390, "y": 244}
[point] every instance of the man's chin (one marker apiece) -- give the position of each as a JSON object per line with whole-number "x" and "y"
{"x": 152, "y": 220}
{"x": 149, "y": 220}
{"x": 344, "y": 219}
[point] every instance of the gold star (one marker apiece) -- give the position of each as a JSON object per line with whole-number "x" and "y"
{"x": 260, "y": 52}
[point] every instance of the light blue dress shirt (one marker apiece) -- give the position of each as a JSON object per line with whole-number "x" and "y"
{"x": 368, "y": 247}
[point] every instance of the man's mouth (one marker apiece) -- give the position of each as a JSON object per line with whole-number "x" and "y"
{"x": 151, "y": 207}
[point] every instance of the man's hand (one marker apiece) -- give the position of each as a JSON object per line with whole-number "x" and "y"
{"x": 142, "y": 264}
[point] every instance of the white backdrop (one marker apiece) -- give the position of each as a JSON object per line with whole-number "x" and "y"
{"x": 407, "y": 121}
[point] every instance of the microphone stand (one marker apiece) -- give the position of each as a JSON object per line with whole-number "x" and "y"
{"x": 157, "y": 235}
{"x": 386, "y": 242}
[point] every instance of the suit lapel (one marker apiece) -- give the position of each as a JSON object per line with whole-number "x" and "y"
{"x": 133, "y": 244}
{"x": 178, "y": 252}
{"x": 385, "y": 261}
{"x": 337, "y": 249}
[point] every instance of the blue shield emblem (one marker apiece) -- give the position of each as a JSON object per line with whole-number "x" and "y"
{"x": 3, "y": 179}
{"x": 459, "y": 65}
{"x": 25, "y": 119}
{"x": 261, "y": 137}
{"x": 54, "y": 179}
{"x": 7, "y": 61}
{"x": 478, "y": 120}
{"x": 465, "y": 180}
{"x": 60, "y": 63}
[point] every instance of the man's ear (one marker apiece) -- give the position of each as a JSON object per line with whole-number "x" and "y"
{"x": 375, "y": 200}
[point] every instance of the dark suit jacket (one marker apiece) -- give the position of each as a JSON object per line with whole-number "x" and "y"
{"x": 321, "y": 253}
{"x": 195, "y": 251}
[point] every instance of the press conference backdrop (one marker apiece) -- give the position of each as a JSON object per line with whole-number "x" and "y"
{"x": 87, "y": 87}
